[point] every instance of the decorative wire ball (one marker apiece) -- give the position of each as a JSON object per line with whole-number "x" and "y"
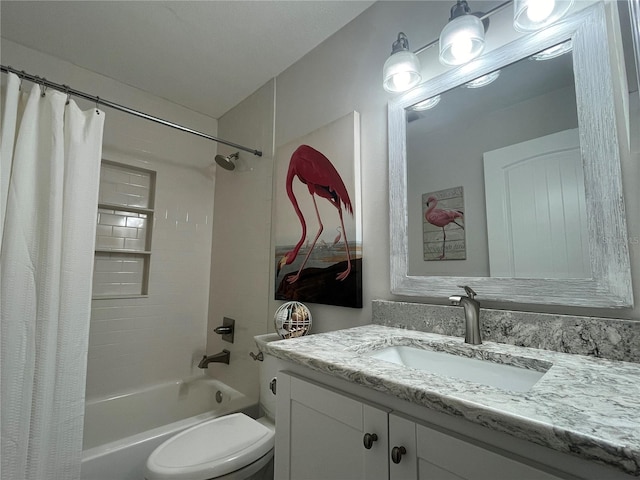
{"x": 292, "y": 319}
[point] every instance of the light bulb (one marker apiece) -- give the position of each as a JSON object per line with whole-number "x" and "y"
{"x": 402, "y": 69}
{"x": 539, "y": 10}
{"x": 461, "y": 48}
{"x": 401, "y": 80}
{"x": 530, "y": 15}
{"x": 461, "y": 40}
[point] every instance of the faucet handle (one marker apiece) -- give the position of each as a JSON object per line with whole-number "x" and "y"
{"x": 470, "y": 293}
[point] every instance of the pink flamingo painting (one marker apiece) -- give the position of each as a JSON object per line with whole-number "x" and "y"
{"x": 441, "y": 217}
{"x": 323, "y": 180}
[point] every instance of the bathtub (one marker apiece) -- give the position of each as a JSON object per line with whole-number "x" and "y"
{"x": 120, "y": 432}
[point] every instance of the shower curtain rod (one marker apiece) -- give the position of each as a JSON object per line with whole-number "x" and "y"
{"x": 99, "y": 101}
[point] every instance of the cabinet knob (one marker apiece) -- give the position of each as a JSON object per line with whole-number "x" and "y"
{"x": 368, "y": 440}
{"x": 396, "y": 454}
{"x": 273, "y": 384}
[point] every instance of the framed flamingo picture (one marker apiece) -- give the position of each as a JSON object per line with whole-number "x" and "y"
{"x": 443, "y": 230}
{"x": 318, "y": 233}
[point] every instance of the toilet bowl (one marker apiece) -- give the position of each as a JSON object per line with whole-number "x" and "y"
{"x": 232, "y": 447}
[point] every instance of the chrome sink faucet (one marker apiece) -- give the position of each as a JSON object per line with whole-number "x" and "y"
{"x": 471, "y": 314}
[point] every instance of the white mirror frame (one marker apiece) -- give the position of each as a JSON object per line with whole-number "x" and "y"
{"x": 634, "y": 15}
{"x": 610, "y": 284}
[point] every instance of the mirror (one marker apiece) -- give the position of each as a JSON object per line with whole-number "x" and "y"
{"x": 513, "y": 188}
{"x": 511, "y": 149}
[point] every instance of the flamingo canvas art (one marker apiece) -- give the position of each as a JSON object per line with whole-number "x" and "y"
{"x": 443, "y": 225}
{"x": 317, "y": 197}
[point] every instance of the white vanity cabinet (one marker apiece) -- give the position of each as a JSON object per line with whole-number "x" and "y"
{"x": 321, "y": 432}
{"x": 433, "y": 454}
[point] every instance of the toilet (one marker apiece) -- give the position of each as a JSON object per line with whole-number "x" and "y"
{"x": 232, "y": 447}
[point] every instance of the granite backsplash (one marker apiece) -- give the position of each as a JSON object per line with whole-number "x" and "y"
{"x": 599, "y": 337}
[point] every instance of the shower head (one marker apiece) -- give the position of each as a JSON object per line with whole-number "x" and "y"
{"x": 227, "y": 162}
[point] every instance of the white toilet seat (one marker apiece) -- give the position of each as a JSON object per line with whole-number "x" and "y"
{"x": 211, "y": 449}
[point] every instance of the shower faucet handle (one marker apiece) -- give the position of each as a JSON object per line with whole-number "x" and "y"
{"x": 227, "y": 329}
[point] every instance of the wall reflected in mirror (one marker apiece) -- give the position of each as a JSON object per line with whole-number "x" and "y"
{"x": 511, "y": 142}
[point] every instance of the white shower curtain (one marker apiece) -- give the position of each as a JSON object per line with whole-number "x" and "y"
{"x": 50, "y": 172}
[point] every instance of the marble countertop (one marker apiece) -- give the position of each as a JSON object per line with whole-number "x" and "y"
{"x": 589, "y": 407}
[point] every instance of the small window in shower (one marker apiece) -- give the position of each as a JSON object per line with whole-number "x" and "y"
{"x": 123, "y": 231}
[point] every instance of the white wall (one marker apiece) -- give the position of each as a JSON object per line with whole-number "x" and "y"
{"x": 240, "y": 258}
{"x": 142, "y": 341}
{"x": 344, "y": 74}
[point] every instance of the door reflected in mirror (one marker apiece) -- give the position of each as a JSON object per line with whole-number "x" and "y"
{"x": 510, "y": 140}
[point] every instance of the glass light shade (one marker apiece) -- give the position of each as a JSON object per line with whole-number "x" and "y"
{"x": 461, "y": 40}
{"x": 427, "y": 104}
{"x": 401, "y": 71}
{"x": 483, "y": 81}
{"x": 554, "y": 51}
{"x": 530, "y": 15}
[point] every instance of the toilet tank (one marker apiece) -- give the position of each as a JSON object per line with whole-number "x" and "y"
{"x": 268, "y": 367}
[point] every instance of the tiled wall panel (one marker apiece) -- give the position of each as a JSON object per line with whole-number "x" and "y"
{"x": 138, "y": 341}
{"x": 118, "y": 274}
{"x": 121, "y": 230}
{"x": 122, "y": 226}
{"x": 121, "y": 186}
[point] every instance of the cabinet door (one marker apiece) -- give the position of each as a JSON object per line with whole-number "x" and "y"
{"x": 320, "y": 434}
{"x": 402, "y": 438}
{"x": 448, "y": 457}
{"x": 431, "y": 454}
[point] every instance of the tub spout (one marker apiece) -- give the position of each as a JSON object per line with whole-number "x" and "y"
{"x": 222, "y": 357}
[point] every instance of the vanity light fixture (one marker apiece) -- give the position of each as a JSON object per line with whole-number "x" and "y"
{"x": 402, "y": 69}
{"x": 529, "y": 15}
{"x": 483, "y": 81}
{"x": 462, "y": 38}
{"x": 553, "y": 52}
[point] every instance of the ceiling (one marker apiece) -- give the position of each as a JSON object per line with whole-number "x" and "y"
{"x": 205, "y": 55}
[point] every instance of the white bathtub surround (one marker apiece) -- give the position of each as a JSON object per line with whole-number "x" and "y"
{"x": 46, "y": 262}
{"x": 599, "y": 337}
{"x": 122, "y": 431}
{"x": 583, "y": 406}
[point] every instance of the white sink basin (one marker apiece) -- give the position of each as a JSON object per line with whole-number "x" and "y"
{"x": 507, "y": 377}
